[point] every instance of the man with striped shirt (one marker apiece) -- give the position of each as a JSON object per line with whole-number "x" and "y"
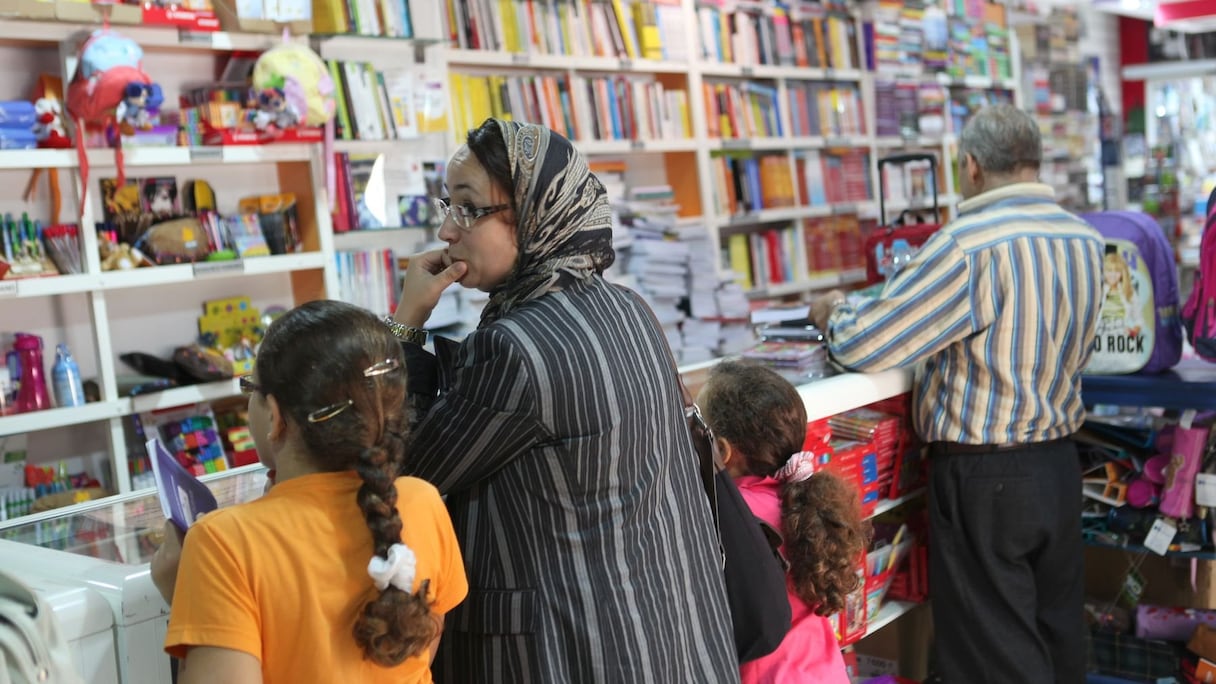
{"x": 999, "y": 310}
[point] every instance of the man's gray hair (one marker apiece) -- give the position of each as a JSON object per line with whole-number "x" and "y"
{"x": 1003, "y": 139}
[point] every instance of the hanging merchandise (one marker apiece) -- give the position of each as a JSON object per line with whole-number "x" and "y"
{"x": 1199, "y": 313}
{"x": 110, "y": 93}
{"x": 1138, "y": 325}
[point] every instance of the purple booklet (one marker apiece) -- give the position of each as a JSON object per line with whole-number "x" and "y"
{"x": 182, "y": 497}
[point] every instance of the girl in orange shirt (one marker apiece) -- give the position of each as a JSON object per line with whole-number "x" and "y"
{"x": 292, "y": 587}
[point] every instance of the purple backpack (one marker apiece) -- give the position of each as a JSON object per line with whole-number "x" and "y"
{"x": 1199, "y": 314}
{"x": 1138, "y": 327}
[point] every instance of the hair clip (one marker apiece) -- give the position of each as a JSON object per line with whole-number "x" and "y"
{"x": 323, "y": 414}
{"x": 381, "y": 367}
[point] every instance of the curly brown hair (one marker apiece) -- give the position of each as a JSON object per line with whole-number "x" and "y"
{"x": 315, "y": 356}
{"x": 762, "y": 417}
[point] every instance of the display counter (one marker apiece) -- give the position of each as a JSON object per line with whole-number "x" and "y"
{"x": 91, "y": 565}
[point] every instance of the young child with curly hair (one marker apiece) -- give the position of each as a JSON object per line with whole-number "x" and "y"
{"x": 759, "y": 422}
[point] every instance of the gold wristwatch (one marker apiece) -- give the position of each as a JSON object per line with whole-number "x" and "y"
{"x": 407, "y": 333}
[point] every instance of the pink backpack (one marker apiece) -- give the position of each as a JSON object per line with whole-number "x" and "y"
{"x": 108, "y": 88}
{"x": 1199, "y": 312}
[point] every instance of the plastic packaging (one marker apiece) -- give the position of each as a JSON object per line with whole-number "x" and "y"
{"x": 32, "y": 395}
{"x": 935, "y": 29}
{"x": 65, "y": 376}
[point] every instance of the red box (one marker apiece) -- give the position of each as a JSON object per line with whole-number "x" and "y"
{"x": 187, "y": 20}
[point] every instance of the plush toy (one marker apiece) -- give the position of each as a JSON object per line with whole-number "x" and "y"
{"x": 48, "y": 128}
{"x": 108, "y": 68}
{"x": 274, "y": 111}
{"x": 140, "y": 102}
{"x": 292, "y": 83}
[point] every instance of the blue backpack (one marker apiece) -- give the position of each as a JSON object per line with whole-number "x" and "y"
{"x": 1139, "y": 329}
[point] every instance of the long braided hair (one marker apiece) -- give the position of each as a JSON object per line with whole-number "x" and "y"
{"x": 339, "y": 377}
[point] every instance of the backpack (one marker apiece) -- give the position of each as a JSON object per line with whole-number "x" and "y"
{"x": 1138, "y": 327}
{"x": 30, "y": 647}
{"x": 293, "y": 88}
{"x": 1199, "y": 313}
{"x": 109, "y": 89}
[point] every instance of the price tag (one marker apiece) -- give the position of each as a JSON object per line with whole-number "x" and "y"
{"x": 829, "y": 73}
{"x": 206, "y": 153}
{"x": 748, "y": 72}
{"x": 219, "y": 268}
{"x": 626, "y": 65}
{"x": 194, "y": 38}
{"x": 1160, "y": 536}
{"x": 836, "y": 142}
{"x": 637, "y": 144}
{"x": 521, "y": 58}
{"x": 8, "y": 288}
{"x": 1205, "y": 490}
{"x": 845, "y": 208}
{"x": 736, "y": 143}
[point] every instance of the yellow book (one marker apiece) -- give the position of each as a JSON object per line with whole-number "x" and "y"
{"x": 647, "y": 22}
{"x": 459, "y": 84}
{"x": 510, "y": 30}
{"x": 329, "y": 16}
{"x": 479, "y": 100}
{"x": 627, "y": 32}
{"x": 495, "y": 86}
{"x": 740, "y": 259}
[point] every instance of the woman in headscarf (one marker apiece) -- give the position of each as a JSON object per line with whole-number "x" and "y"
{"x": 556, "y": 432}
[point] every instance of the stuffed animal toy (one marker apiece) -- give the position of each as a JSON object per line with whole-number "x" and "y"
{"x": 48, "y": 128}
{"x": 274, "y": 112}
{"x": 293, "y": 87}
{"x": 140, "y": 102}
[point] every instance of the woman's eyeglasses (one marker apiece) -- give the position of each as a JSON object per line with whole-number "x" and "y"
{"x": 463, "y": 215}
{"x": 248, "y": 386}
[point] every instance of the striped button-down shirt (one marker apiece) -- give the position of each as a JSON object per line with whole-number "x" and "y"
{"x": 1001, "y": 306}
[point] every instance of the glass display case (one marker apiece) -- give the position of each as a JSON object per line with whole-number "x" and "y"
{"x": 125, "y": 529}
{"x": 102, "y": 551}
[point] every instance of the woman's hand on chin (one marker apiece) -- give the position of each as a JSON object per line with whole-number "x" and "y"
{"x": 428, "y": 275}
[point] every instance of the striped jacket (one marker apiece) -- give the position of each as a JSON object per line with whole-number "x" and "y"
{"x": 1001, "y": 305}
{"x": 558, "y": 437}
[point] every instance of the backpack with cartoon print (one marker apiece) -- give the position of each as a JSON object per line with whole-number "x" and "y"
{"x": 1138, "y": 326}
{"x": 109, "y": 92}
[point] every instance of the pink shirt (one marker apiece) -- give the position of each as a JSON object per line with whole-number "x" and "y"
{"x": 809, "y": 652}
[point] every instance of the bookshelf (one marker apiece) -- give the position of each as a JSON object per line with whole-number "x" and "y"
{"x": 775, "y": 103}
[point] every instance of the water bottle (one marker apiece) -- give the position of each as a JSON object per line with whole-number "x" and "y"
{"x": 65, "y": 376}
{"x": 32, "y": 394}
{"x": 901, "y": 254}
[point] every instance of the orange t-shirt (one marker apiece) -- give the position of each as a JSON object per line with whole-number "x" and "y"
{"x": 284, "y": 577}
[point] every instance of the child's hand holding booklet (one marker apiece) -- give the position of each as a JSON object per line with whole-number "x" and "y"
{"x": 182, "y": 497}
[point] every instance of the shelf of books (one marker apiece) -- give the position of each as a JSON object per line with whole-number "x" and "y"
{"x": 769, "y": 117}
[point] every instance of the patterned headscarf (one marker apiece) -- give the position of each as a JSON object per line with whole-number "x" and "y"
{"x": 564, "y": 222}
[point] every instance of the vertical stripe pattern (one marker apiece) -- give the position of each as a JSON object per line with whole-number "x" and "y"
{"x": 559, "y": 439}
{"x": 1001, "y": 307}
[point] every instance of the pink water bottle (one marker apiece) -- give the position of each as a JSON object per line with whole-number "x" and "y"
{"x": 32, "y": 396}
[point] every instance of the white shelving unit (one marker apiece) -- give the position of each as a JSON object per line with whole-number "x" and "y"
{"x": 305, "y": 275}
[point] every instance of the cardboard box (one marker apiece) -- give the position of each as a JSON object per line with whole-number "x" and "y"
{"x": 88, "y": 13}
{"x": 27, "y": 9}
{"x": 1203, "y": 642}
{"x": 231, "y": 20}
